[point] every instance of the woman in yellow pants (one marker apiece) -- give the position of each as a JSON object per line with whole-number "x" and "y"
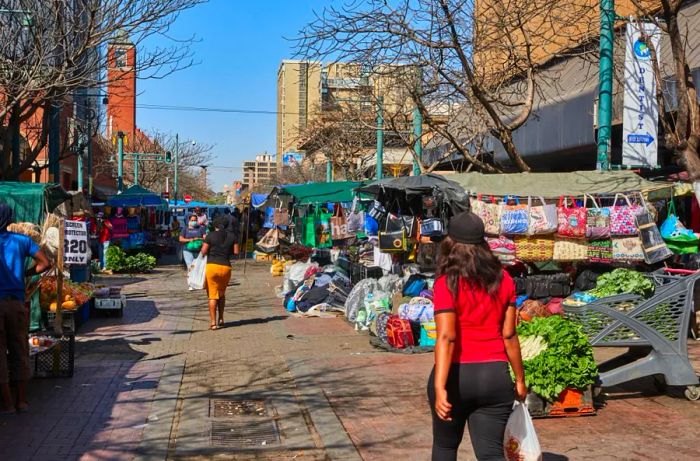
{"x": 218, "y": 247}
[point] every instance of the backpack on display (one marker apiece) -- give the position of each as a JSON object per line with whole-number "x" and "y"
{"x": 399, "y": 333}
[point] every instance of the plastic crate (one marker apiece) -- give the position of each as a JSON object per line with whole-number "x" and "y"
{"x": 571, "y": 402}
{"x": 68, "y": 321}
{"x": 110, "y": 303}
{"x": 56, "y": 362}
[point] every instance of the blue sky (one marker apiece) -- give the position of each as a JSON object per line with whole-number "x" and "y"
{"x": 241, "y": 46}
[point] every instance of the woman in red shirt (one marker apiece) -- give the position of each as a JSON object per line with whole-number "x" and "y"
{"x": 476, "y": 339}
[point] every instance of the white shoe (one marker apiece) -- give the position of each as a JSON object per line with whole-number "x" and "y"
{"x": 190, "y": 289}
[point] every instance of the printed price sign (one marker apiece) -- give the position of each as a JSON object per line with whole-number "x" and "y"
{"x": 75, "y": 249}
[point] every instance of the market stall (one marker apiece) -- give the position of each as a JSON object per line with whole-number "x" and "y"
{"x": 140, "y": 220}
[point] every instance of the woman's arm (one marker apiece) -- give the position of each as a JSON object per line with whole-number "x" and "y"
{"x": 444, "y": 347}
{"x": 512, "y": 344}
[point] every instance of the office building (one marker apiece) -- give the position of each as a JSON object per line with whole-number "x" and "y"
{"x": 261, "y": 171}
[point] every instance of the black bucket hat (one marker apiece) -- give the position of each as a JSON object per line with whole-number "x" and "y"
{"x": 466, "y": 228}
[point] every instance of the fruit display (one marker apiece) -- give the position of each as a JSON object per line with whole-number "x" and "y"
{"x": 74, "y": 294}
{"x": 278, "y": 265}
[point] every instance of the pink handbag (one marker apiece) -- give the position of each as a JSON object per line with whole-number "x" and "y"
{"x": 622, "y": 217}
{"x": 571, "y": 220}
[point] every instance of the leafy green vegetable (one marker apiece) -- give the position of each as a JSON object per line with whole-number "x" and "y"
{"x": 118, "y": 261}
{"x": 566, "y": 362}
{"x": 622, "y": 281}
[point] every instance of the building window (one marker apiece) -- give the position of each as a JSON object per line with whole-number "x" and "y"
{"x": 120, "y": 57}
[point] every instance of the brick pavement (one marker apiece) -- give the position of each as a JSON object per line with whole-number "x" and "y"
{"x": 143, "y": 384}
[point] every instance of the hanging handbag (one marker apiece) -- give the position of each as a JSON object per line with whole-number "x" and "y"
{"x": 339, "y": 224}
{"x": 514, "y": 217}
{"x": 269, "y": 243}
{"x": 679, "y": 239}
{"x": 600, "y": 251}
{"x": 324, "y": 231}
{"x": 542, "y": 218}
{"x": 281, "y": 217}
{"x": 622, "y": 217}
{"x": 571, "y": 220}
{"x": 392, "y": 241}
{"x": 503, "y": 248}
{"x": 627, "y": 249}
{"x": 654, "y": 247}
{"x": 432, "y": 227}
{"x": 568, "y": 249}
{"x": 534, "y": 249}
{"x": 490, "y": 214}
{"x": 309, "y": 232}
{"x": 376, "y": 210}
{"x": 597, "y": 220}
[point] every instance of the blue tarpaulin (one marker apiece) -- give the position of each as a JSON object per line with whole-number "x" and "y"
{"x": 257, "y": 199}
{"x": 136, "y": 196}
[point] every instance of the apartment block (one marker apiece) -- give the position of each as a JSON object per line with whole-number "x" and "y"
{"x": 261, "y": 171}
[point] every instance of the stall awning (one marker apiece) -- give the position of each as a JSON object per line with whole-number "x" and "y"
{"x": 319, "y": 192}
{"x": 136, "y": 196}
{"x": 31, "y": 201}
{"x": 554, "y": 185}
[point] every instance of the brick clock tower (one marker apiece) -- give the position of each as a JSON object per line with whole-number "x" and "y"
{"x": 121, "y": 87}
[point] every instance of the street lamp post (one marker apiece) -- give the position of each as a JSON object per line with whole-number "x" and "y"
{"x": 418, "y": 146}
{"x": 380, "y": 137}
{"x": 177, "y": 164}
{"x": 120, "y": 161}
{"x": 605, "y": 77}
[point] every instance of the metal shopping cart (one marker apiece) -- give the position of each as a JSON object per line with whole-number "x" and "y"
{"x": 655, "y": 330}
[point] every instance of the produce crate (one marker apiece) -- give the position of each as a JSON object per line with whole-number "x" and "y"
{"x": 110, "y": 303}
{"x": 68, "y": 321}
{"x": 571, "y": 402}
{"x": 56, "y": 362}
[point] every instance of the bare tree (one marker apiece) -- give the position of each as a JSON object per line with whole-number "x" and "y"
{"x": 478, "y": 59}
{"x": 153, "y": 174}
{"x": 51, "y": 48}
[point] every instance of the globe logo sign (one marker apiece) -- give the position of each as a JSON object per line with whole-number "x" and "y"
{"x": 641, "y": 50}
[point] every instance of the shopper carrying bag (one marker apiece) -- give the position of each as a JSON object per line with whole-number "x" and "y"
{"x": 520, "y": 441}
{"x": 196, "y": 275}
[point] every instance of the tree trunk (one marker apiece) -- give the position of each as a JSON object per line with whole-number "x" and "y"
{"x": 506, "y": 138}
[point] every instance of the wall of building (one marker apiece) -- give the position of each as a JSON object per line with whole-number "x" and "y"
{"x": 121, "y": 89}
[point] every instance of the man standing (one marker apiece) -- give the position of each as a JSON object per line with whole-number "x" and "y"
{"x": 14, "y": 318}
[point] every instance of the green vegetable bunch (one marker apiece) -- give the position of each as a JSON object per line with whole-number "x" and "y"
{"x": 622, "y": 281}
{"x": 118, "y": 261}
{"x": 567, "y": 361}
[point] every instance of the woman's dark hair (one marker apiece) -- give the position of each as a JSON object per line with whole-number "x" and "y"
{"x": 220, "y": 222}
{"x": 189, "y": 218}
{"x": 474, "y": 263}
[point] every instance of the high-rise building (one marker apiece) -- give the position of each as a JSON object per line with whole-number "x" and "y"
{"x": 261, "y": 171}
{"x": 308, "y": 89}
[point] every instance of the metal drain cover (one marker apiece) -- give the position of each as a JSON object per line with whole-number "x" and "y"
{"x": 223, "y": 408}
{"x": 251, "y": 433}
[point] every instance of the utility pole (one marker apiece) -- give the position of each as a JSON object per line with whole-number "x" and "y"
{"x": 329, "y": 171}
{"x": 177, "y": 151}
{"x": 605, "y": 77}
{"x": 418, "y": 145}
{"x": 136, "y": 168}
{"x": 80, "y": 171}
{"x": 54, "y": 143}
{"x": 120, "y": 162}
{"x": 89, "y": 149}
{"x": 380, "y": 137}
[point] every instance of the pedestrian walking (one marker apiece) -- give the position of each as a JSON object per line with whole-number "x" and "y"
{"x": 476, "y": 339}
{"x": 219, "y": 247}
{"x": 192, "y": 238}
{"x": 202, "y": 218}
{"x": 104, "y": 232}
{"x": 14, "y": 316}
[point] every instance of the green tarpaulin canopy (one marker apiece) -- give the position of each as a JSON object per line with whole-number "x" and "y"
{"x": 554, "y": 185}
{"x": 31, "y": 201}
{"x": 319, "y": 192}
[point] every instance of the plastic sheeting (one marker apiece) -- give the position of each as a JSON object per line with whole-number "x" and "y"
{"x": 31, "y": 201}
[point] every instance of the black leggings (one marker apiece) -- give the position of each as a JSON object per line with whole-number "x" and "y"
{"x": 481, "y": 395}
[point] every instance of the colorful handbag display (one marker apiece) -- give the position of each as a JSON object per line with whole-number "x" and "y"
{"x": 503, "y": 248}
{"x": 542, "y": 218}
{"x": 308, "y": 237}
{"x": 627, "y": 249}
{"x": 376, "y": 210}
{"x": 622, "y": 217}
{"x": 514, "y": 216}
{"x": 597, "y": 221}
{"x": 324, "y": 232}
{"x": 399, "y": 333}
{"x": 490, "y": 214}
{"x": 600, "y": 251}
{"x": 392, "y": 241}
{"x": 568, "y": 249}
{"x": 653, "y": 245}
{"x": 339, "y": 224}
{"x": 571, "y": 219}
{"x": 534, "y": 249}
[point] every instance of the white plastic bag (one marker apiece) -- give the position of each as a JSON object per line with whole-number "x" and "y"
{"x": 520, "y": 440}
{"x": 197, "y": 274}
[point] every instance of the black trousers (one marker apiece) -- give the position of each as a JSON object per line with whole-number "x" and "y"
{"x": 482, "y": 396}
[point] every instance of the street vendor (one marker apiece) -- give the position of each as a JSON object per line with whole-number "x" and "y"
{"x": 14, "y": 318}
